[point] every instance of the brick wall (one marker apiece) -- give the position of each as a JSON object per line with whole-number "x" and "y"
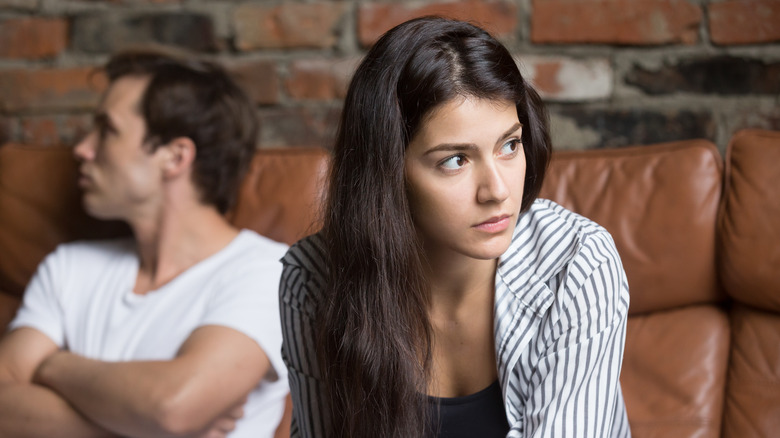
{"x": 614, "y": 72}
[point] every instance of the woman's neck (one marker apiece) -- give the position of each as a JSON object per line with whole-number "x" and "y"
{"x": 459, "y": 282}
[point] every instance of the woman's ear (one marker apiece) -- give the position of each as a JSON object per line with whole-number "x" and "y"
{"x": 179, "y": 156}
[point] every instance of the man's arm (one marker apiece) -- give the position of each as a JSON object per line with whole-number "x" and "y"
{"x": 213, "y": 372}
{"x": 30, "y": 410}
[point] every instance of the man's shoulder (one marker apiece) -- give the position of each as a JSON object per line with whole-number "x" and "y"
{"x": 94, "y": 250}
{"x": 249, "y": 243}
{"x": 249, "y": 257}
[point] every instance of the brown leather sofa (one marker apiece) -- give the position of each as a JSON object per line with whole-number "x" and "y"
{"x": 699, "y": 237}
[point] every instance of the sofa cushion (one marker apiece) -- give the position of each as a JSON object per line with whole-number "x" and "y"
{"x": 41, "y": 207}
{"x": 749, "y": 261}
{"x": 282, "y": 192}
{"x": 750, "y": 220}
{"x": 674, "y": 372}
{"x": 753, "y": 392}
{"x": 660, "y": 203}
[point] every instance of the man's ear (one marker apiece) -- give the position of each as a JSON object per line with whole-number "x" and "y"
{"x": 179, "y": 156}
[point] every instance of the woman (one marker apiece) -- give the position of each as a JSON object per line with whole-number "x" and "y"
{"x": 441, "y": 298}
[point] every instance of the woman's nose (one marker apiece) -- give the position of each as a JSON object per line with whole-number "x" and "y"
{"x": 492, "y": 187}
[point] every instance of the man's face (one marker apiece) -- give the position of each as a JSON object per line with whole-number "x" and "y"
{"x": 121, "y": 179}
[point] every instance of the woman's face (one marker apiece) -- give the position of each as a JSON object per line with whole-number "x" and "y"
{"x": 465, "y": 170}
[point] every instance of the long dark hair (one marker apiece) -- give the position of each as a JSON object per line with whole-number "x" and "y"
{"x": 374, "y": 333}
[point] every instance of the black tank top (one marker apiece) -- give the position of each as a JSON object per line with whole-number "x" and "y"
{"x": 480, "y": 414}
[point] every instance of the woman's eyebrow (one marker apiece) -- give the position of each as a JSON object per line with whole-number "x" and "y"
{"x": 461, "y": 147}
{"x": 452, "y": 147}
{"x": 511, "y": 130}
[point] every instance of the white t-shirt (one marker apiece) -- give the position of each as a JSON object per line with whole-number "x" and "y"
{"x": 82, "y": 298}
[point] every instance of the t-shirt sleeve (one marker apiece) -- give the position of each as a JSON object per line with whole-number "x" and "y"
{"x": 41, "y": 307}
{"x": 248, "y": 301}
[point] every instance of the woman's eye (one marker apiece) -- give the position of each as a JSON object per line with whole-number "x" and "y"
{"x": 511, "y": 147}
{"x": 454, "y": 162}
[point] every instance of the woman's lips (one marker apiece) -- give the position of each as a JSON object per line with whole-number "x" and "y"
{"x": 495, "y": 224}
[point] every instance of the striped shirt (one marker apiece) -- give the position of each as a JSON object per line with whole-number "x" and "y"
{"x": 561, "y": 303}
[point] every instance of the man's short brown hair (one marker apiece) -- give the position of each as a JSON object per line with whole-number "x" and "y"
{"x": 197, "y": 99}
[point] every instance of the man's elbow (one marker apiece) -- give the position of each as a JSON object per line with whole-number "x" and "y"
{"x": 176, "y": 416}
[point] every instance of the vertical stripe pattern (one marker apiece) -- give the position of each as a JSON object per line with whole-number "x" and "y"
{"x": 561, "y": 303}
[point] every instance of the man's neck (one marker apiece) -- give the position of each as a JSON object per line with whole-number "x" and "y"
{"x": 175, "y": 239}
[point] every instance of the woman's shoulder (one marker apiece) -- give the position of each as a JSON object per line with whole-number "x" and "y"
{"x": 304, "y": 271}
{"x": 307, "y": 253}
{"x": 550, "y": 216}
{"x": 549, "y": 237}
{"x": 559, "y": 259}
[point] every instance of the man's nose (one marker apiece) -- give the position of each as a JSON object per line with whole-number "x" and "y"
{"x": 85, "y": 149}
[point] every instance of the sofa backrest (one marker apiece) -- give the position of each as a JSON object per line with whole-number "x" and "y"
{"x": 282, "y": 192}
{"x": 39, "y": 208}
{"x": 749, "y": 266}
{"x": 660, "y": 204}
{"x": 677, "y": 230}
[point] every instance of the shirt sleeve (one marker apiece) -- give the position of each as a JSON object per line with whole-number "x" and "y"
{"x": 247, "y": 301}
{"x": 577, "y": 388}
{"x": 41, "y": 307}
{"x": 300, "y": 354}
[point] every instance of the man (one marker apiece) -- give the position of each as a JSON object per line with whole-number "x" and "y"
{"x": 174, "y": 332}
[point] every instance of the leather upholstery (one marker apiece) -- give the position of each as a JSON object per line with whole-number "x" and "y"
{"x": 282, "y": 192}
{"x": 749, "y": 265}
{"x": 750, "y": 222}
{"x": 39, "y": 208}
{"x": 674, "y": 372}
{"x": 701, "y": 247}
{"x": 660, "y": 204}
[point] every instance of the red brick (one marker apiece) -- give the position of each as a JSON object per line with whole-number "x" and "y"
{"x": 40, "y": 131}
{"x": 50, "y": 89}
{"x": 135, "y": 1}
{"x": 60, "y": 129}
{"x": 74, "y": 127}
{"x": 320, "y": 79}
{"x": 639, "y": 22}
{"x": 33, "y": 38}
{"x": 311, "y": 25}
{"x": 745, "y": 21}
{"x": 568, "y": 79}
{"x": 259, "y": 79}
{"x": 6, "y": 130}
{"x": 498, "y": 17}
{"x": 22, "y": 5}
{"x": 546, "y": 77}
{"x": 293, "y": 127}
{"x": 747, "y": 116}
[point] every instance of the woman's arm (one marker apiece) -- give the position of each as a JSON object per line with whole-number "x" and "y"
{"x": 300, "y": 354}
